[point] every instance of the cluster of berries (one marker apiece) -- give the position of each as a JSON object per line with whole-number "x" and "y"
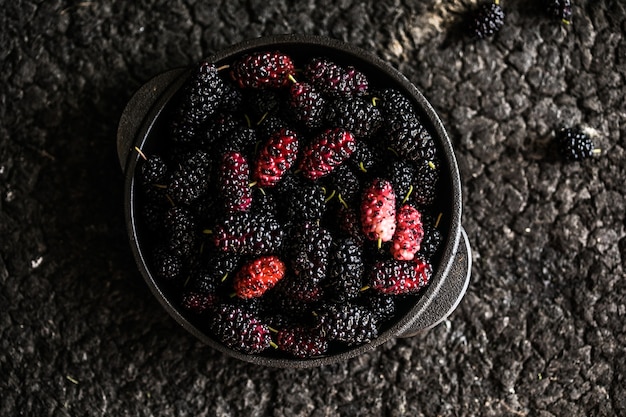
{"x": 488, "y": 18}
{"x": 291, "y": 209}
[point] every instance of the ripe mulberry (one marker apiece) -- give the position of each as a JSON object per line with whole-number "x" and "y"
{"x": 240, "y": 329}
{"x": 234, "y": 182}
{"x": 262, "y": 70}
{"x": 276, "y": 157}
{"x": 326, "y": 152}
{"x": 486, "y": 20}
{"x": 378, "y": 211}
{"x": 258, "y": 276}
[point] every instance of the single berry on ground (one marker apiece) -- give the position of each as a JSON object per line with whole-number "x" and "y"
{"x": 486, "y": 20}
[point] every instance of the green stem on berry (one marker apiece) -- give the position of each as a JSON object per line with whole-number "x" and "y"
{"x": 362, "y": 167}
{"x": 167, "y": 196}
{"x": 232, "y": 295}
{"x": 496, "y": 2}
{"x": 393, "y": 151}
{"x": 223, "y": 67}
{"x": 342, "y": 201}
{"x": 408, "y": 194}
{"x": 597, "y": 151}
{"x": 330, "y": 198}
{"x": 274, "y": 345}
{"x": 187, "y": 281}
{"x": 374, "y": 100}
{"x": 161, "y": 186}
{"x": 262, "y": 118}
{"x": 252, "y": 184}
{"x": 365, "y": 288}
{"x": 247, "y": 120}
{"x": 224, "y": 277}
{"x": 207, "y": 231}
{"x": 143, "y": 155}
{"x": 438, "y": 220}
{"x": 380, "y": 242}
{"x": 565, "y": 21}
{"x": 262, "y": 191}
{"x": 271, "y": 329}
{"x": 432, "y": 165}
{"x": 292, "y": 79}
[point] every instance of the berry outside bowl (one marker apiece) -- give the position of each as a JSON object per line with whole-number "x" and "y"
{"x": 141, "y": 126}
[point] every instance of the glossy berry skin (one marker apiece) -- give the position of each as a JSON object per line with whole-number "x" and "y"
{"x": 202, "y": 96}
{"x": 276, "y": 157}
{"x": 234, "y": 182}
{"x": 240, "y": 329}
{"x": 358, "y": 116}
{"x": 574, "y": 144}
{"x": 153, "y": 170}
{"x": 191, "y": 180}
{"x": 486, "y": 20}
{"x": 258, "y": 276}
{"x": 348, "y": 323}
{"x": 302, "y": 342}
{"x": 307, "y": 105}
{"x": 180, "y": 225}
{"x": 245, "y": 233}
{"x": 399, "y": 277}
{"x": 378, "y": 211}
{"x": 334, "y": 80}
{"x": 262, "y": 70}
{"x": 345, "y": 270}
{"x": 409, "y": 233}
{"x": 326, "y": 152}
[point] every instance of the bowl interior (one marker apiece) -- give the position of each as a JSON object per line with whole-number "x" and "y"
{"x": 152, "y": 136}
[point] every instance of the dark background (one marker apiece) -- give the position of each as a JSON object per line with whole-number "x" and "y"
{"x": 541, "y": 331}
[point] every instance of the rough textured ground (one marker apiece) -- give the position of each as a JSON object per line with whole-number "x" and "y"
{"x": 541, "y": 331}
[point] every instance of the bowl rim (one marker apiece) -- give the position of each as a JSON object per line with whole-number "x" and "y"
{"x": 409, "y": 319}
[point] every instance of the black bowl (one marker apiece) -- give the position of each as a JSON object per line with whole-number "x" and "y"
{"x": 141, "y": 126}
